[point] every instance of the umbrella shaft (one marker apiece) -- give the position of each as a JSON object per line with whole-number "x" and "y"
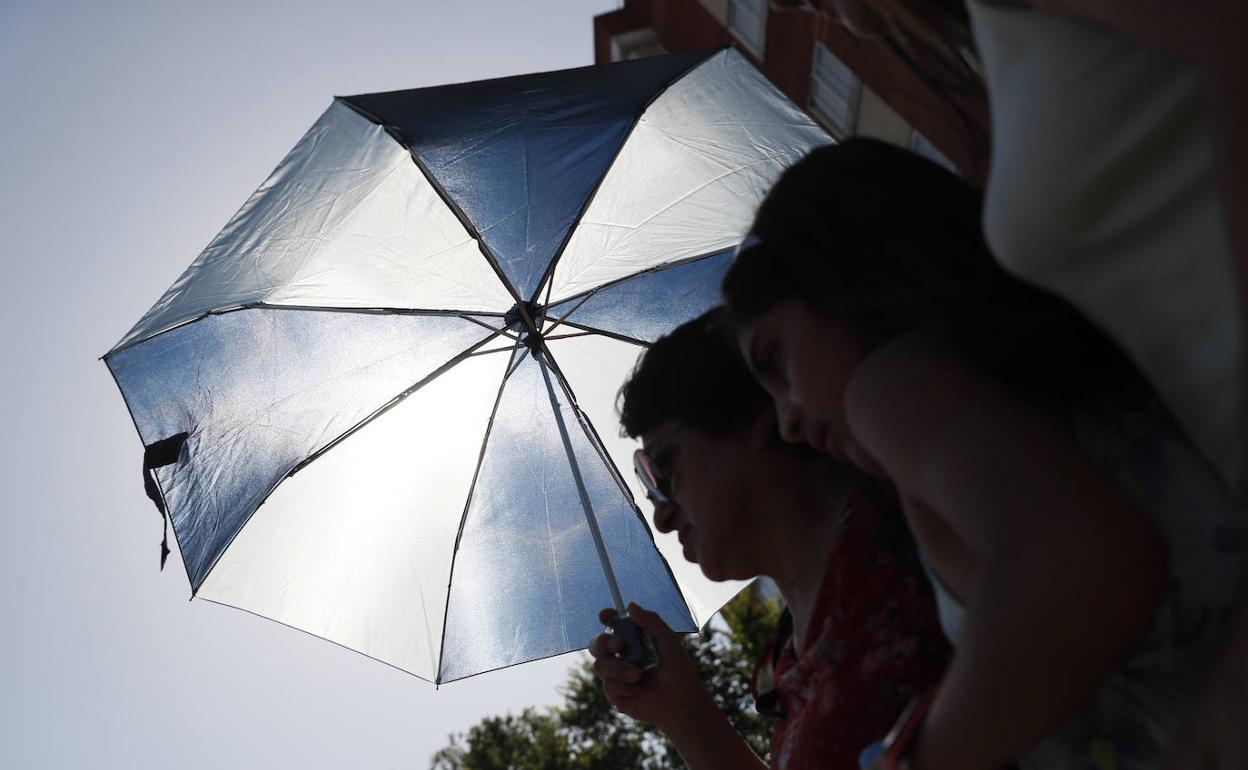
{"x": 580, "y": 488}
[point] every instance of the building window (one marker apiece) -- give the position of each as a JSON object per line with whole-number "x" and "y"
{"x": 748, "y": 21}
{"x": 834, "y": 92}
{"x": 637, "y": 44}
{"x": 922, "y": 146}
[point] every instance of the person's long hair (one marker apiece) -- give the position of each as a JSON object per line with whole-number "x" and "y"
{"x": 889, "y": 242}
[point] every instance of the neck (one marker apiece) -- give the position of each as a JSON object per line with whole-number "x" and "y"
{"x": 802, "y": 545}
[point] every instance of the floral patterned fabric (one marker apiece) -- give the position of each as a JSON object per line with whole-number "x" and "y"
{"x": 1130, "y": 723}
{"x": 873, "y": 644}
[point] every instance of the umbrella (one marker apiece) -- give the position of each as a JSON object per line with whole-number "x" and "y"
{"x": 379, "y": 406}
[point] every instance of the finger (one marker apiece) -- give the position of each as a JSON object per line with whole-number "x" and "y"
{"x": 610, "y": 669}
{"x": 647, "y": 619}
{"x": 618, "y": 691}
{"x": 665, "y": 639}
{"x": 605, "y": 645}
{"x": 607, "y": 615}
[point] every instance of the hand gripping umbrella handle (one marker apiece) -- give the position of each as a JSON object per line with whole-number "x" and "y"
{"x": 638, "y": 648}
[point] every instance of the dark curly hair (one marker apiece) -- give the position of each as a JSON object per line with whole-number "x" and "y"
{"x": 696, "y": 376}
{"x": 693, "y": 375}
{"x": 888, "y": 242}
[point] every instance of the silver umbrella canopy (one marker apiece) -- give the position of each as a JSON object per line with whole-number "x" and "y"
{"x": 379, "y": 406}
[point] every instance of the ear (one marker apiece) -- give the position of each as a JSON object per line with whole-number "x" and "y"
{"x": 763, "y": 430}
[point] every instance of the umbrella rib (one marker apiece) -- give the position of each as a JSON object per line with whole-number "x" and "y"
{"x": 588, "y": 296}
{"x": 588, "y": 293}
{"x": 568, "y": 336}
{"x": 484, "y": 325}
{"x": 465, "y": 314}
{"x": 346, "y": 434}
{"x": 463, "y": 519}
{"x": 605, "y": 333}
{"x": 554, "y": 261}
{"x": 446, "y": 198}
{"x": 491, "y": 351}
{"x": 371, "y": 310}
{"x": 394, "y": 401}
{"x": 519, "y": 361}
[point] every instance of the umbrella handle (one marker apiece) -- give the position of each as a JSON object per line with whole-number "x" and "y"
{"x": 638, "y": 648}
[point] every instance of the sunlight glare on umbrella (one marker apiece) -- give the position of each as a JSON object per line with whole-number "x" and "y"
{"x": 379, "y": 406}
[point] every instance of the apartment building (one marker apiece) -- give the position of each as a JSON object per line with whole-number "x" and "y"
{"x": 850, "y": 85}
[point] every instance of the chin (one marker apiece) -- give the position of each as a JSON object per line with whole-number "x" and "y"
{"x": 709, "y": 571}
{"x": 713, "y": 575}
{"x": 833, "y": 451}
{"x": 719, "y": 574}
{"x": 828, "y": 444}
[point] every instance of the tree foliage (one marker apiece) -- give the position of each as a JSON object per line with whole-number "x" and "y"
{"x": 586, "y": 733}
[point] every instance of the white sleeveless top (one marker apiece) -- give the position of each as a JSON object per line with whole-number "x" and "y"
{"x": 1102, "y": 191}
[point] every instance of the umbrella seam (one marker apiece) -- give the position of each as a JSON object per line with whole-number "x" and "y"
{"x": 463, "y": 519}
{"x": 446, "y": 198}
{"x": 588, "y": 294}
{"x": 548, "y": 274}
{"x": 465, "y": 314}
{"x": 490, "y": 351}
{"x": 450, "y": 363}
{"x": 730, "y": 172}
{"x": 605, "y": 333}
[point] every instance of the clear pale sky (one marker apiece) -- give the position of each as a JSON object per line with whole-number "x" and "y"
{"x": 131, "y": 132}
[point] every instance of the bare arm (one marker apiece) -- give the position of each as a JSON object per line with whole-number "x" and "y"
{"x": 706, "y": 740}
{"x": 1067, "y": 569}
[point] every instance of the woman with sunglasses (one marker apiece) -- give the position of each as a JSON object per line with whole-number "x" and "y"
{"x": 860, "y": 639}
{"x": 1085, "y": 557}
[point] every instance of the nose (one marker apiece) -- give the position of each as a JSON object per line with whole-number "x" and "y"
{"x": 789, "y": 419}
{"x": 665, "y": 516}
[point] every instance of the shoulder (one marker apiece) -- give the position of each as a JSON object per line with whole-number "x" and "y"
{"x": 914, "y": 384}
{"x": 923, "y": 411}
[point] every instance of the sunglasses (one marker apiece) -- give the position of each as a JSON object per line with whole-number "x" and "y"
{"x": 653, "y": 468}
